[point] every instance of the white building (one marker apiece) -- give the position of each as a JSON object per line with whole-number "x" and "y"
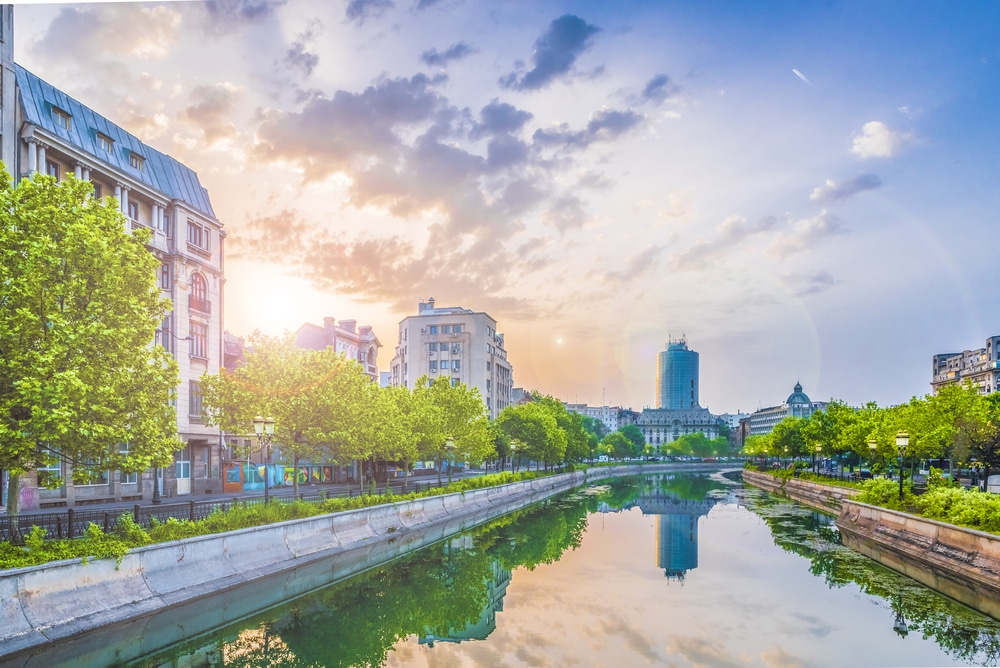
{"x": 797, "y": 405}
{"x": 613, "y": 417}
{"x": 661, "y": 426}
{"x": 50, "y": 132}
{"x": 457, "y": 343}
{"x": 357, "y": 343}
{"x": 981, "y": 367}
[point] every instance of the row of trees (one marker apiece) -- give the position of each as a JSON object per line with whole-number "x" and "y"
{"x": 957, "y": 423}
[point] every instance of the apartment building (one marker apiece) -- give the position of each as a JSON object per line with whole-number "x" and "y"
{"x": 981, "y": 367}
{"x": 458, "y": 343}
{"x": 356, "y": 343}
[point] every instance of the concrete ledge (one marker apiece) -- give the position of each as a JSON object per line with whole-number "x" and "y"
{"x": 961, "y": 563}
{"x": 822, "y": 497}
{"x": 155, "y": 583}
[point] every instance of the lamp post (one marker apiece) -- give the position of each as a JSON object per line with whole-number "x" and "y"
{"x": 819, "y": 452}
{"x": 785, "y": 463}
{"x": 449, "y": 445}
{"x": 899, "y": 625}
{"x": 902, "y": 440}
{"x": 513, "y": 449}
{"x": 264, "y": 428}
{"x": 872, "y": 446}
{"x": 156, "y": 484}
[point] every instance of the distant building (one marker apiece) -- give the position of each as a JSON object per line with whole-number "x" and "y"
{"x": 661, "y": 426}
{"x": 357, "y": 343}
{"x": 676, "y": 529}
{"x": 677, "y": 377}
{"x": 981, "y": 367}
{"x": 797, "y": 404}
{"x": 458, "y": 343}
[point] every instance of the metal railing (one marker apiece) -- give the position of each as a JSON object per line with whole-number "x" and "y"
{"x": 74, "y": 523}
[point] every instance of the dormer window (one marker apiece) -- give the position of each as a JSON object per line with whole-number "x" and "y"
{"x": 106, "y": 142}
{"x": 63, "y": 119}
{"x": 136, "y": 160}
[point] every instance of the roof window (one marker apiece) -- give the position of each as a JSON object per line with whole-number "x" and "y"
{"x": 62, "y": 118}
{"x": 106, "y": 142}
{"x": 136, "y": 160}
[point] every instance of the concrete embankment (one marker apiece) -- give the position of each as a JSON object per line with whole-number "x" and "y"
{"x": 958, "y": 562}
{"x": 961, "y": 563}
{"x": 823, "y": 497}
{"x": 154, "y": 592}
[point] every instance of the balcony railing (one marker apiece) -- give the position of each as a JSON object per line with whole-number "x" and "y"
{"x": 200, "y": 305}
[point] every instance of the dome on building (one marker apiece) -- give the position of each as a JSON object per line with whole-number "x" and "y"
{"x": 798, "y": 396}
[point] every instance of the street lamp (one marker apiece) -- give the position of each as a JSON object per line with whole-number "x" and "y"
{"x": 819, "y": 452}
{"x": 156, "y": 484}
{"x": 449, "y": 445}
{"x": 513, "y": 449}
{"x": 899, "y": 626}
{"x": 902, "y": 440}
{"x": 264, "y": 428}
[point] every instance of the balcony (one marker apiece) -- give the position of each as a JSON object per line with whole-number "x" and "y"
{"x": 200, "y": 305}
{"x": 199, "y": 250}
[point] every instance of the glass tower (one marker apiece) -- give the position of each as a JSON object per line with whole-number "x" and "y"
{"x": 677, "y": 377}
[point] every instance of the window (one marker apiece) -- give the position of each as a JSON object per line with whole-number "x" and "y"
{"x": 199, "y": 340}
{"x": 456, "y": 348}
{"x": 163, "y": 335}
{"x": 445, "y": 329}
{"x": 433, "y": 366}
{"x": 489, "y": 366}
{"x": 128, "y": 478}
{"x": 456, "y": 329}
{"x": 133, "y": 210}
{"x": 455, "y": 365}
{"x": 98, "y": 191}
{"x": 106, "y": 143}
{"x": 198, "y": 294}
{"x": 165, "y": 281}
{"x": 433, "y": 329}
{"x": 62, "y": 118}
{"x": 195, "y": 398}
{"x": 197, "y": 235}
{"x": 456, "y": 381}
{"x": 50, "y": 475}
{"x": 432, "y": 347}
{"x": 136, "y": 161}
{"x": 52, "y": 168}
{"x": 167, "y": 228}
{"x": 444, "y": 364}
{"x": 90, "y": 472}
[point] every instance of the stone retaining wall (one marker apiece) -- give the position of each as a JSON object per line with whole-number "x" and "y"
{"x": 41, "y": 604}
{"x": 961, "y": 563}
{"x": 823, "y": 497}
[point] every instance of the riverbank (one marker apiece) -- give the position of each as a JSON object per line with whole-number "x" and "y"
{"x": 42, "y": 604}
{"x": 961, "y": 563}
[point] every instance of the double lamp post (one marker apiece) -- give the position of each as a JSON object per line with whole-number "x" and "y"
{"x": 264, "y": 428}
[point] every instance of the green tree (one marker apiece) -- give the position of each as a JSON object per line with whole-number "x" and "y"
{"x": 633, "y": 434}
{"x": 534, "y": 430}
{"x": 615, "y": 445}
{"x": 79, "y": 307}
{"x": 457, "y": 412}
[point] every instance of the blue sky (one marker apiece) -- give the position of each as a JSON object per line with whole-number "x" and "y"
{"x": 807, "y": 191}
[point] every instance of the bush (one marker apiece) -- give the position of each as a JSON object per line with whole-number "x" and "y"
{"x": 973, "y": 509}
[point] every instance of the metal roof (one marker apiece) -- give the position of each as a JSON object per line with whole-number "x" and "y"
{"x": 159, "y": 171}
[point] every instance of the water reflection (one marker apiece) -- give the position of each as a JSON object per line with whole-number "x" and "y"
{"x": 550, "y": 585}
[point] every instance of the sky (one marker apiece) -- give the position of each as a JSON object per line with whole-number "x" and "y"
{"x": 806, "y": 191}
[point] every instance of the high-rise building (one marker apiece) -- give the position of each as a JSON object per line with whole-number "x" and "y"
{"x": 458, "y": 343}
{"x": 677, "y": 377}
{"x": 981, "y": 367}
{"x": 44, "y": 130}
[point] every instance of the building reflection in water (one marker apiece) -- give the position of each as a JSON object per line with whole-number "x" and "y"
{"x": 496, "y": 586}
{"x": 676, "y": 529}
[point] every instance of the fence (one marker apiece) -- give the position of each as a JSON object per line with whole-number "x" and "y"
{"x": 73, "y": 523}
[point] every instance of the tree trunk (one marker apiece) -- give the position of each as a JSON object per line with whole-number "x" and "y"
{"x": 295, "y": 475}
{"x": 406, "y": 476}
{"x": 13, "y": 494}
{"x": 438, "y": 467}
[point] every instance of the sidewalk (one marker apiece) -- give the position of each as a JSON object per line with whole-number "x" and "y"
{"x": 309, "y": 489}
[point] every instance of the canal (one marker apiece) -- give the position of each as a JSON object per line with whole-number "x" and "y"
{"x": 669, "y": 569}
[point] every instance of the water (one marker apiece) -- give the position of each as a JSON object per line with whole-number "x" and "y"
{"x": 681, "y": 570}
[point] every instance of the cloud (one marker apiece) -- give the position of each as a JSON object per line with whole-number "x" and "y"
{"x": 565, "y": 213}
{"x": 360, "y": 11}
{"x": 701, "y": 652}
{"x": 265, "y": 237}
{"x": 426, "y": 4}
{"x": 659, "y": 89}
{"x": 810, "y": 284}
{"x": 832, "y": 191}
{"x": 131, "y": 30}
{"x": 456, "y": 51}
{"x": 806, "y": 234}
{"x": 877, "y": 140}
{"x": 730, "y": 233}
{"x": 211, "y": 111}
{"x": 297, "y": 57}
{"x": 636, "y": 266}
{"x": 555, "y": 53}
{"x": 604, "y": 125}
{"x": 498, "y": 118}
{"x": 226, "y": 16}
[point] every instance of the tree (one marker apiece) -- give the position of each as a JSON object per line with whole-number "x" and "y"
{"x": 571, "y": 424}
{"x": 457, "y": 412}
{"x": 79, "y": 308}
{"x": 633, "y": 434}
{"x": 321, "y": 401}
{"x": 535, "y": 432}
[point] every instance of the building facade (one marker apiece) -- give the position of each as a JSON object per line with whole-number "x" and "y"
{"x": 661, "y": 426}
{"x": 796, "y": 405}
{"x": 357, "y": 343}
{"x": 677, "y": 377}
{"x": 45, "y": 130}
{"x": 981, "y": 367}
{"x": 459, "y": 344}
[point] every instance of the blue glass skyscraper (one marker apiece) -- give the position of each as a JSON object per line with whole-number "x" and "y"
{"x": 677, "y": 377}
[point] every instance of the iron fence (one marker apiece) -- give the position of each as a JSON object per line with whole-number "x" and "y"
{"x": 74, "y": 522}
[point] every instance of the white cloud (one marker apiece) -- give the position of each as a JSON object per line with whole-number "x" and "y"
{"x": 878, "y": 140}
{"x": 832, "y": 191}
{"x": 806, "y": 234}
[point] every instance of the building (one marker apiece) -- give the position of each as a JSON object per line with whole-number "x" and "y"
{"x": 676, "y": 529}
{"x": 45, "y": 130}
{"x": 456, "y": 343}
{"x": 981, "y": 367}
{"x": 610, "y": 416}
{"x": 357, "y": 343}
{"x": 797, "y": 405}
{"x": 677, "y": 377}
{"x": 661, "y": 426}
